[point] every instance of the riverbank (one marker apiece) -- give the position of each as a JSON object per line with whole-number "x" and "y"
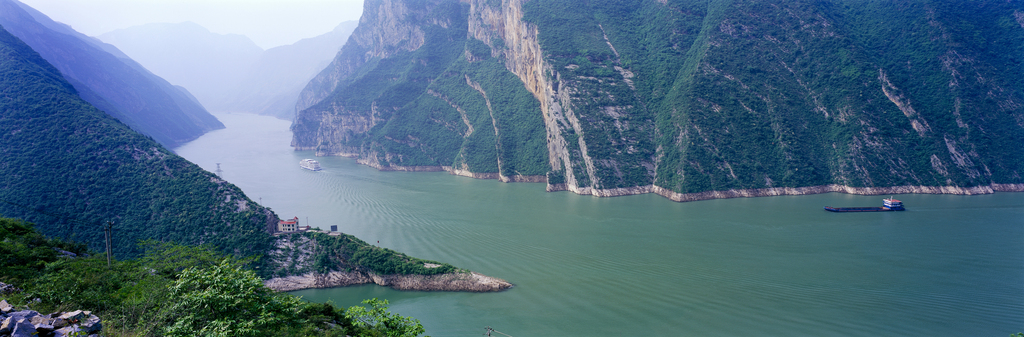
{"x": 777, "y": 191}
{"x": 462, "y": 281}
{"x": 708, "y": 195}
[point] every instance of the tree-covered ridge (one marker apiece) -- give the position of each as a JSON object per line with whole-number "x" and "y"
{"x": 71, "y": 168}
{"x": 693, "y": 96}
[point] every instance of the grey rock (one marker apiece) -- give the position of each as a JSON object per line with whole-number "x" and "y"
{"x": 43, "y": 328}
{"x": 91, "y": 324}
{"x": 64, "y": 252}
{"x": 24, "y": 329}
{"x": 59, "y": 323}
{"x": 72, "y": 316}
{"x": 23, "y": 315}
{"x": 5, "y": 307}
{"x": 40, "y": 319}
{"x": 8, "y": 288}
{"x": 7, "y": 325}
{"x": 67, "y": 331}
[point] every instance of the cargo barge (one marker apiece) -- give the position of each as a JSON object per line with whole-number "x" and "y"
{"x": 888, "y": 205}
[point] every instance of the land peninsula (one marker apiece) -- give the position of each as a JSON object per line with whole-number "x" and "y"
{"x": 316, "y": 259}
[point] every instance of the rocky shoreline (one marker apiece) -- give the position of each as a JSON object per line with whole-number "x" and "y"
{"x": 454, "y": 171}
{"x": 464, "y": 281}
{"x": 708, "y": 195}
{"x": 776, "y": 191}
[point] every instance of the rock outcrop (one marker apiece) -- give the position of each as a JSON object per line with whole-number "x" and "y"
{"x": 464, "y": 281}
{"x": 30, "y": 323}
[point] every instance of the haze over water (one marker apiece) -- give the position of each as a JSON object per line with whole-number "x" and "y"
{"x": 644, "y": 265}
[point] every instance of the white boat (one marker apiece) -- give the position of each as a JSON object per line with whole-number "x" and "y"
{"x": 310, "y": 164}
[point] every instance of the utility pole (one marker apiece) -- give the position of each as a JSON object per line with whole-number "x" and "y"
{"x": 106, "y": 232}
{"x": 219, "y": 171}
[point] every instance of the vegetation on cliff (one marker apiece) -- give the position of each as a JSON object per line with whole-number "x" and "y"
{"x": 172, "y": 290}
{"x": 689, "y": 96}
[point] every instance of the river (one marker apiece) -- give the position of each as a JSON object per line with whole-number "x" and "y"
{"x": 646, "y": 266}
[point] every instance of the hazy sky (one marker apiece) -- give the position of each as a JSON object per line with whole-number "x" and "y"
{"x": 269, "y": 23}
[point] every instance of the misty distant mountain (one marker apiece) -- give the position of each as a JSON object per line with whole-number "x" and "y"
{"x": 186, "y": 54}
{"x": 272, "y": 84}
{"x": 108, "y": 79}
{"x": 229, "y": 72}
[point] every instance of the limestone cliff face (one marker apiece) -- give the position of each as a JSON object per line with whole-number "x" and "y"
{"x": 619, "y": 120}
{"x": 680, "y": 98}
{"x": 386, "y": 28}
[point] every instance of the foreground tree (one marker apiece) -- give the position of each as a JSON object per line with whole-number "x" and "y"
{"x": 377, "y": 321}
{"x": 227, "y": 300}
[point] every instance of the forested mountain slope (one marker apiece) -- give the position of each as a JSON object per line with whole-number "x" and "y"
{"x": 70, "y": 168}
{"x": 110, "y": 80}
{"x": 682, "y": 97}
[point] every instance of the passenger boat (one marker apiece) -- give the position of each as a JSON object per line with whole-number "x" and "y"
{"x": 310, "y": 164}
{"x": 888, "y": 205}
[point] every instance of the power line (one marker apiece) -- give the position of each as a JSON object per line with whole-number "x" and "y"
{"x": 489, "y": 330}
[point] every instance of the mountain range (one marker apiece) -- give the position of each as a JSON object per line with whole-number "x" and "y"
{"x": 229, "y": 72}
{"x": 688, "y": 99}
{"x": 110, "y": 80}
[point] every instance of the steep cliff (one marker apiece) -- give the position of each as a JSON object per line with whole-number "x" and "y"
{"x": 410, "y": 91}
{"x": 683, "y": 97}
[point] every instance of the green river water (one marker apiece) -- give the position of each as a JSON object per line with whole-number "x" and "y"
{"x": 644, "y": 265}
